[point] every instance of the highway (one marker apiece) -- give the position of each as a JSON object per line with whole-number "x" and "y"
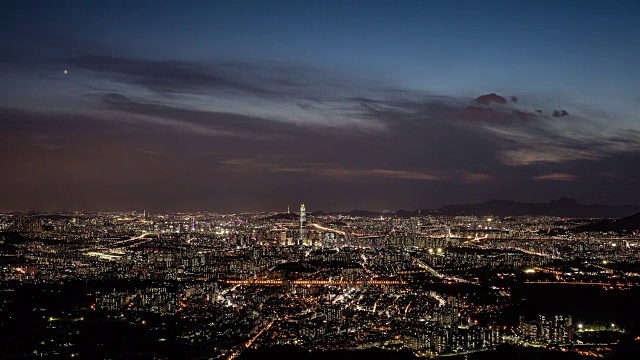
{"x": 313, "y": 282}
{"x": 435, "y": 273}
{"x": 320, "y": 227}
{"x": 113, "y": 250}
{"x": 574, "y": 283}
{"x": 536, "y": 253}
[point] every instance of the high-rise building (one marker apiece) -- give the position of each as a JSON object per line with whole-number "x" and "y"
{"x": 333, "y": 313}
{"x": 303, "y": 218}
{"x": 555, "y": 329}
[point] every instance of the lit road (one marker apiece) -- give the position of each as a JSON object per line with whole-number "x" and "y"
{"x": 137, "y": 240}
{"x": 463, "y": 353}
{"x": 113, "y": 251}
{"x": 314, "y": 282}
{"x": 476, "y": 239}
{"x": 251, "y": 341}
{"x": 433, "y": 272}
{"x": 536, "y": 253}
{"x": 428, "y": 268}
{"x": 320, "y": 227}
{"x": 248, "y": 344}
{"x": 607, "y": 270}
{"x": 574, "y": 283}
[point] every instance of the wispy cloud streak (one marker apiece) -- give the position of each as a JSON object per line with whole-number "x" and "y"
{"x": 556, "y": 177}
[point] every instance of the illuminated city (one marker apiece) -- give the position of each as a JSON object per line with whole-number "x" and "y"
{"x": 215, "y": 285}
{"x": 319, "y": 179}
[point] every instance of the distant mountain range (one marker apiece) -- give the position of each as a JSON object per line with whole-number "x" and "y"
{"x": 564, "y": 207}
{"x": 366, "y": 213}
{"x": 626, "y": 225}
{"x": 622, "y": 219}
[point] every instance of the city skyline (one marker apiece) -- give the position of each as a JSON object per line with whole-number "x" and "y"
{"x": 250, "y": 106}
{"x": 242, "y": 286}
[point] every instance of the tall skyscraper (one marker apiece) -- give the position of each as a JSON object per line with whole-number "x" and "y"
{"x": 303, "y": 218}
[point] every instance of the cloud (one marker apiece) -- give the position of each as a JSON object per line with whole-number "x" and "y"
{"x": 286, "y": 93}
{"x": 475, "y": 177}
{"x": 489, "y": 115}
{"x": 266, "y": 80}
{"x": 343, "y": 173}
{"x": 201, "y": 122}
{"x": 557, "y": 145}
{"x": 307, "y": 96}
{"x": 340, "y": 173}
{"x": 236, "y": 161}
{"x": 490, "y": 98}
{"x": 555, "y": 177}
{"x": 560, "y": 113}
{"x": 241, "y": 130}
{"x": 524, "y": 115}
{"x": 166, "y": 76}
{"x": 614, "y": 175}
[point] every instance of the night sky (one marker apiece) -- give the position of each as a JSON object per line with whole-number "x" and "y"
{"x": 255, "y": 105}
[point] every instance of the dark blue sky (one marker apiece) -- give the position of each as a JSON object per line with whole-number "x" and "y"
{"x": 253, "y": 105}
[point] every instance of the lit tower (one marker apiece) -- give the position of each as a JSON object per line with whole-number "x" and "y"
{"x": 303, "y": 217}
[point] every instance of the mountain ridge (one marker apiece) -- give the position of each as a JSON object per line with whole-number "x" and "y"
{"x": 563, "y": 207}
{"x": 624, "y": 225}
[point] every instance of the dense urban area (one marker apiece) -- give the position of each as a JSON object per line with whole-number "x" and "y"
{"x": 207, "y": 285}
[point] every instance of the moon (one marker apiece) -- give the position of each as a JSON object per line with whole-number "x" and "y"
{"x": 66, "y": 72}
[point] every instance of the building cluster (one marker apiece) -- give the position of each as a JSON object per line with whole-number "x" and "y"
{"x": 557, "y": 329}
{"x": 320, "y": 281}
